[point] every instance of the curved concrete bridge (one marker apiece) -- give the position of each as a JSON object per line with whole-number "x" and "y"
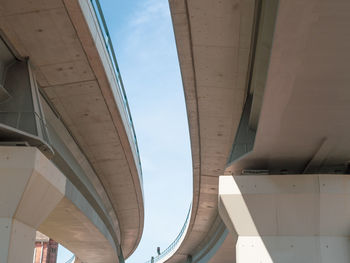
{"x": 267, "y": 92}
{"x": 66, "y": 135}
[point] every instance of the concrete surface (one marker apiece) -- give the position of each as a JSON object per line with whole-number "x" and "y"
{"x": 213, "y": 41}
{"x": 41, "y": 237}
{"x": 66, "y": 48}
{"x": 287, "y": 218}
{"x": 298, "y": 79}
{"x": 226, "y": 253}
{"x": 29, "y": 178}
{"x": 303, "y": 125}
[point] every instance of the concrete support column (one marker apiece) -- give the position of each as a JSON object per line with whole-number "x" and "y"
{"x": 31, "y": 187}
{"x": 288, "y": 218}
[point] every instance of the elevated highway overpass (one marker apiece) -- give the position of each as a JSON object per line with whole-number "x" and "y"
{"x": 66, "y": 135}
{"x": 267, "y": 95}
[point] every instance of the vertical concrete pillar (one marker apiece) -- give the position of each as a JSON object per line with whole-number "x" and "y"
{"x": 288, "y": 218}
{"x": 30, "y": 188}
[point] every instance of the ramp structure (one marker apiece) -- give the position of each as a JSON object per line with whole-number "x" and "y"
{"x": 67, "y": 139}
{"x": 267, "y": 94}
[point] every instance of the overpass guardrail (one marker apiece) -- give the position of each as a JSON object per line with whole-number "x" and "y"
{"x": 109, "y": 46}
{"x": 176, "y": 243}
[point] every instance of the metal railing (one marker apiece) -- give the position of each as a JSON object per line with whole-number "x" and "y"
{"x": 174, "y": 244}
{"x": 109, "y": 46}
{"x": 71, "y": 260}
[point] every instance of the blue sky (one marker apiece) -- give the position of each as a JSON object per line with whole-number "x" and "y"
{"x": 143, "y": 39}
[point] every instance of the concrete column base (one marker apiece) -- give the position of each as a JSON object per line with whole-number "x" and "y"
{"x": 29, "y": 190}
{"x": 16, "y": 241}
{"x": 289, "y": 249}
{"x": 288, "y": 218}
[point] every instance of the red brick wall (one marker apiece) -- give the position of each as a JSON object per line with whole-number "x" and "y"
{"x": 38, "y": 250}
{"x": 46, "y": 252}
{"x": 52, "y": 251}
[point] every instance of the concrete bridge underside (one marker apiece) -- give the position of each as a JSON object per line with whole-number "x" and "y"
{"x": 266, "y": 89}
{"x": 213, "y": 40}
{"x": 86, "y": 112}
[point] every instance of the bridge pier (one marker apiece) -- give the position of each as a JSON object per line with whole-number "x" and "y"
{"x": 28, "y": 178}
{"x": 287, "y": 218}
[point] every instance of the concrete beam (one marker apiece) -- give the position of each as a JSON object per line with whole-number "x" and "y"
{"x": 303, "y": 112}
{"x": 71, "y": 64}
{"x": 213, "y": 42}
{"x": 287, "y": 218}
{"x": 28, "y": 178}
{"x": 26, "y": 181}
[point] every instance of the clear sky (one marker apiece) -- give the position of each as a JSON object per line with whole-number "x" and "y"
{"x": 143, "y": 39}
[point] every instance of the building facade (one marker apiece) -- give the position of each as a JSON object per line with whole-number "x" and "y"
{"x": 45, "y": 250}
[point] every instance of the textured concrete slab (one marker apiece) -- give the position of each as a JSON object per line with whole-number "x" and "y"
{"x": 213, "y": 41}
{"x": 66, "y": 48}
{"x": 305, "y": 108}
{"x": 28, "y": 179}
{"x": 299, "y": 83}
{"x": 226, "y": 253}
{"x": 287, "y": 218}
